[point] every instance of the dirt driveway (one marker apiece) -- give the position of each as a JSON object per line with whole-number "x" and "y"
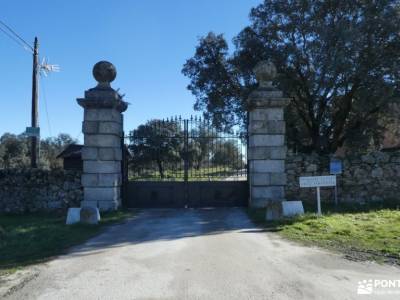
{"x": 198, "y": 254}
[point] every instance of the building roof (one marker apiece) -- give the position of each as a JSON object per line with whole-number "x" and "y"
{"x": 75, "y": 151}
{"x": 71, "y": 151}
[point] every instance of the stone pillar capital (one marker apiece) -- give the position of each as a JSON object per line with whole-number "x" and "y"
{"x": 103, "y": 95}
{"x": 261, "y": 98}
{"x": 266, "y": 95}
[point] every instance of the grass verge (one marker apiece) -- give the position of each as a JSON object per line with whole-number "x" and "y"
{"x": 360, "y": 235}
{"x": 33, "y": 238}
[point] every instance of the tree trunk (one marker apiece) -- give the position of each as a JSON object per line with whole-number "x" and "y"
{"x": 160, "y": 168}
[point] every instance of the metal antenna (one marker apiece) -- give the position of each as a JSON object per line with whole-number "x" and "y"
{"x": 46, "y": 67}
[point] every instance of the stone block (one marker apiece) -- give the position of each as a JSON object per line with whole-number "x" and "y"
{"x": 107, "y": 153}
{"x": 101, "y": 193}
{"x": 102, "y": 140}
{"x": 260, "y": 179}
{"x": 89, "y": 153}
{"x": 110, "y": 128}
{"x": 90, "y": 127}
{"x": 102, "y": 114}
{"x": 267, "y": 127}
{"x": 266, "y": 114}
{"x": 89, "y": 180}
{"x": 108, "y": 205}
{"x": 118, "y": 154}
{"x": 260, "y": 140}
{"x": 94, "y": 167}
{"x": 278, "y": 178}
{"x": 267, "y": 166}
{"x": 278, "y": 152}
{"x": 89, "y": 215}
{"x": 265, "y": 179}
{"x": 268, "y": 192}
{"x": 111, "y": 180}
{"x": 73, "y": 215}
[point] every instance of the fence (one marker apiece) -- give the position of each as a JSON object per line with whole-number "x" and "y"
{"x": 192, "y": 149}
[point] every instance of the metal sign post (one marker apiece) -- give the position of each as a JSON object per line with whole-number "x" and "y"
{"x": 335, "y": 168}
{"x": 318, "y": 181}
{"x": 319, "y": 201}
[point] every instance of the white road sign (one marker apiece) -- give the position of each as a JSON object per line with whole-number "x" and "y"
{"x": 317, "y": 181}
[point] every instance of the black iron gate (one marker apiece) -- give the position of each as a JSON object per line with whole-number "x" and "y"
{"x": 185, "y": 163}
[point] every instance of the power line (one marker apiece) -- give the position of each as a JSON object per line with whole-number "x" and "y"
{"x": 15, "y": 40}
{"x": 45, "y": 106}
{"x": 17, "y": 35}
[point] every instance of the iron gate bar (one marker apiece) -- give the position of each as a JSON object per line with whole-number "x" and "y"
{"x": 171, "y": 146}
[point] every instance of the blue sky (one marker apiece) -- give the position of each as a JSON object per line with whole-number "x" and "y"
{"x": 147, "y": 41}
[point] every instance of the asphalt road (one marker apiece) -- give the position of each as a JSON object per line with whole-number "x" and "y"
{"x": 198, "y": 254}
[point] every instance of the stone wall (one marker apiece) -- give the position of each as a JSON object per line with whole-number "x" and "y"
{"x": 367, "y": 177}
{"x": 30, "y": 190}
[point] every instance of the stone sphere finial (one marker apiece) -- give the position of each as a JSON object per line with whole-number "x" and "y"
{"x": 265, "y": 72}
{"x": 104, "y": 72}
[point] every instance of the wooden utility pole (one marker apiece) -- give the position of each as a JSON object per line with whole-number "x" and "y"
{"x": 34, "y": 138}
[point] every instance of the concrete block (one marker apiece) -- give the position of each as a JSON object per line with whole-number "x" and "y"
{"x": 278, "y": 152}
{"x": 89, "y": 180}
{"x": 267, "y": 127}
{"x": 260, "y": 140}
{"x": 102, "y": 140}
{"x": 90, "y": 215}
{"x": 266, "y": 114}
{"x": 89, "y": 153}
{"x": 95, "y": 167}
{"x": 268, "y": 192}
{"x": 292, "y": 208}
{"x": 267, "y": 166}
{"x": 73, "y": 215}
{"x": 101, "y": 193}
{"x": 90, "y": 127}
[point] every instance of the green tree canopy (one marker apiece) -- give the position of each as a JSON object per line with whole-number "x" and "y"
{"x": 338, "y": 60}
{"x": 15, "y": 150}
{"x": 155, "y": 142}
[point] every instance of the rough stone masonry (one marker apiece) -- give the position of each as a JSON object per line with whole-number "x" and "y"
{"x": 266, "y": 149}
{"x": 102, "y": 150}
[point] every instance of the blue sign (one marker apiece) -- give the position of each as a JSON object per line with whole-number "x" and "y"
{"x": 33, "y": 131}
{"x": 335, "y": 167}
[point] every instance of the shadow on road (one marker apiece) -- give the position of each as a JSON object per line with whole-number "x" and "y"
{"x": 154, "y": 225}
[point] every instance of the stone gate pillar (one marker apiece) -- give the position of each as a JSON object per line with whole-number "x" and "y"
{"x": 266, "y": 149}
{"x": 102, "y": 150}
